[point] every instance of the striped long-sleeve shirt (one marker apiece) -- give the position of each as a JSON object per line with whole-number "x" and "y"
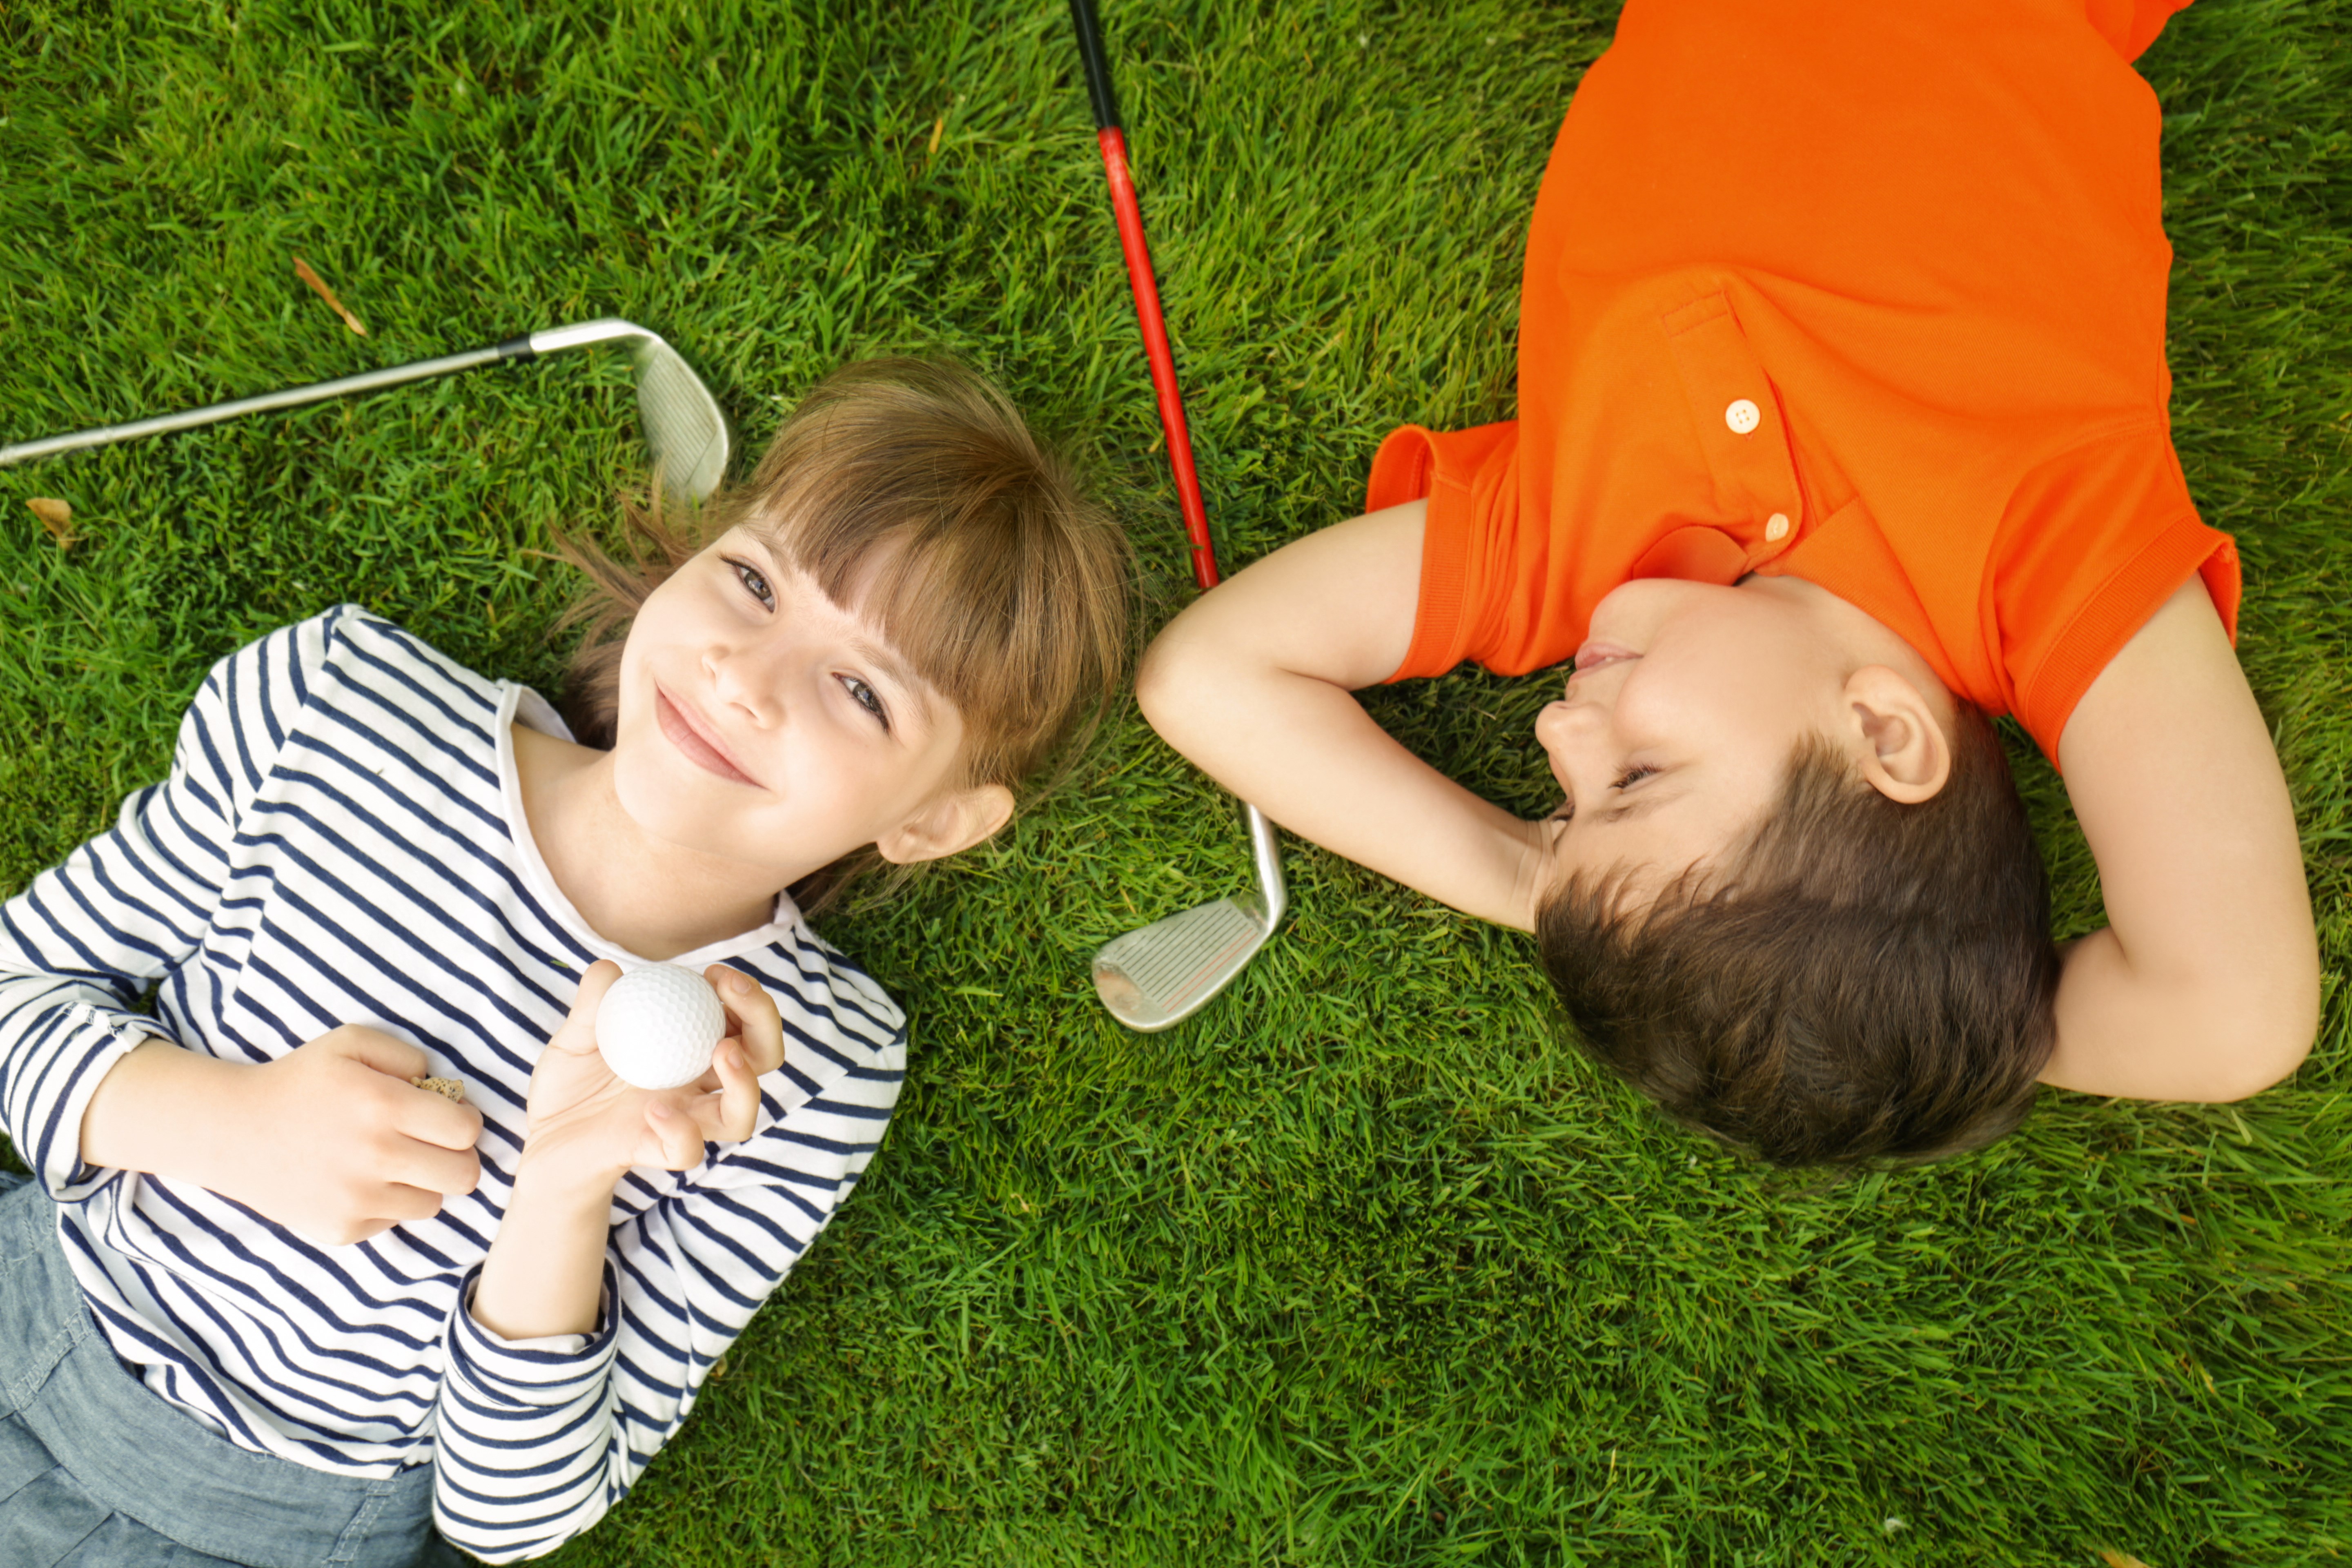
{"x": 342, "y": 840}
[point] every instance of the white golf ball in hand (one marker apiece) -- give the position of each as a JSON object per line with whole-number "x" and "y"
{"x": 658, "y": 1026}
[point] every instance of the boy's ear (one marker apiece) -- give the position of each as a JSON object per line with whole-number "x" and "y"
{"x": 952, "y": 822}
{"x": 1904, "y": 754}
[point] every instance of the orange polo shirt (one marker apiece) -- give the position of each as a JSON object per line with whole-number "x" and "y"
{"x": 1866, "y": 293}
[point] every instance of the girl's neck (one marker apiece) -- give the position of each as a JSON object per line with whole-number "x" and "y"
{"x": 651, "y": 897}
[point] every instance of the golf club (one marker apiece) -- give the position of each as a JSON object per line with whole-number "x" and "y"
{"x": 1166, "y": 972}
{"x": 684, "y": 427}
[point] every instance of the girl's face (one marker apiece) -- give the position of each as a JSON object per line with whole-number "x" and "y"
{"x": 762, "y": 723}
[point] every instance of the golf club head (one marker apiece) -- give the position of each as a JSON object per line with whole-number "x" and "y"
{"x": 1157, "y": 977}
{"x": 685, "y": 429}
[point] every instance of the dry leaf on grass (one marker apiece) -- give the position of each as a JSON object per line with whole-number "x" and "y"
{"x": 2121, "y": 1560}
{"x": 58, "y": 518}
{"x": 318, "y": 287}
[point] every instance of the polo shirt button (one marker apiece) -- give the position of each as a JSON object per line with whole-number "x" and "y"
{"x": 1742, "y": 416}
{"x": 1776, "y": 527}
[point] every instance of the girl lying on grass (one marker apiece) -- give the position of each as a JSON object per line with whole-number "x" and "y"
{"x": 267, "y": 1301}
{"x": 1841, "y": 426}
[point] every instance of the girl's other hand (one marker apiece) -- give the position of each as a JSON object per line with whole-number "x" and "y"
{"x": 589, "y": 1123}
{"x": 330, "y": 1140}
{"x": 356, "y": 1146}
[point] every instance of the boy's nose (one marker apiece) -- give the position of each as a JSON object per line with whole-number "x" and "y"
{"x": 1563, "y": 721}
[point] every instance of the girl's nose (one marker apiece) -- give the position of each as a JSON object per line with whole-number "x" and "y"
{"x": 739, "y": 681}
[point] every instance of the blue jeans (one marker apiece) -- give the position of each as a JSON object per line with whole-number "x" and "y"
{"x": 97, "y": 1472}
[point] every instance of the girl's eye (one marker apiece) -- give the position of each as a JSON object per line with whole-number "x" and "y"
{"x": 1632, "y": 777}
{"x": 753, "y": 584}
{"x": 866, "y": 696}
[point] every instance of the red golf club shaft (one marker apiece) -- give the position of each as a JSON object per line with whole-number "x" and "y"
{"x": 1146, "y": 289}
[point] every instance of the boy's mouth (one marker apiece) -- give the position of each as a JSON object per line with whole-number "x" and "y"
{"x": 678, "y": 722}
{"x": 1595, "y": 656}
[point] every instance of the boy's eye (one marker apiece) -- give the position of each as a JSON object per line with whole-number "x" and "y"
{"x": 1632, "y": 776}
{"x": 753, "y": 583}
{"x": 866, "y": 696}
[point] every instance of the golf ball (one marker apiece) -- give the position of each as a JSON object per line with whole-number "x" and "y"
{"x": 658, "y": 1026}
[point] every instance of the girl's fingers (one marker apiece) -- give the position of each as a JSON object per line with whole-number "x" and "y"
{"x": 445, "y": 1124}
{"x": 731, "y": 1112}
{"x": 739, "y": 1093}
{"x": 577, "y": 1034}
{"x": 751, "y": 1016}
{"x": 676, "y": 1132}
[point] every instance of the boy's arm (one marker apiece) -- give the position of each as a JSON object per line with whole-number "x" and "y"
{"x": 2205, "y": 984}
{"x": 1253, "y": 682}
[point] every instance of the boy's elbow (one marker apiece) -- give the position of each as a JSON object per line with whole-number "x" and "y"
{"x": 2266, "y": 1059}
{"x": 1156, "y": 680}
{"x": 2259, "y": 1043}
{"x": 1173, "y": 679}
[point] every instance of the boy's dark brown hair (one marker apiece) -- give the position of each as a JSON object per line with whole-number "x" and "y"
{"x": 1861, "y": 981}
{"x": 915, "y": 486}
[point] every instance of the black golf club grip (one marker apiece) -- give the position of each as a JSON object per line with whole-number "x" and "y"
{"x": 1090, "y": 50}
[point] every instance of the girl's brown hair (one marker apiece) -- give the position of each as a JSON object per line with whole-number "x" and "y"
{"x": 914, "y": 487}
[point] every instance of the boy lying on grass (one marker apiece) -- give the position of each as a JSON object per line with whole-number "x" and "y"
{"x": 1841, "y": 426}
{"x": 267, "y": 1304}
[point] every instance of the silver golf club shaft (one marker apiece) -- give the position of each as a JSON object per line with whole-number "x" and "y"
{"x": 539, "y": 342}
{"x": 292, "y": 397}
{"x": 1265, "y": 849}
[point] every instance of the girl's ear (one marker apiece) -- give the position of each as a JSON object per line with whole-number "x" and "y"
{"x": 1904, "y": 754}
{"x": 951, "y": 822}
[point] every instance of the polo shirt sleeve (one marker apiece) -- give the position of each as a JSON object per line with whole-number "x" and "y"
{"x": 1469, "y": 477}
{"x": 2131, "y": 25}
{"x": 2093, "y": 542}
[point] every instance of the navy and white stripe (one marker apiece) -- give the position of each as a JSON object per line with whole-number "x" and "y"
{"x": 340, "y": 842}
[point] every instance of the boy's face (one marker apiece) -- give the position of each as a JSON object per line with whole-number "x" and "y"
{"x": 762, "y": 723}
{"x": 1676, "y": 729}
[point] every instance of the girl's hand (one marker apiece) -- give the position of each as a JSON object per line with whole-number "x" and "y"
{"x": 591, "y": 1126}
{"x": 330, "y": 1139}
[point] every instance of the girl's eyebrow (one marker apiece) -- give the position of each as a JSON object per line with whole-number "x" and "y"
{"x": 879, "y": 656}
{"x": 885, "y": 662}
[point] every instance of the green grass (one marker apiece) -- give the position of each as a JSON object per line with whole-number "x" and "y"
{"x": 1364, "y": 1265}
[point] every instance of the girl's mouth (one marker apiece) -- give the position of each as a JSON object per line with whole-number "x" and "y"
{"x": 677, "y": 723}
